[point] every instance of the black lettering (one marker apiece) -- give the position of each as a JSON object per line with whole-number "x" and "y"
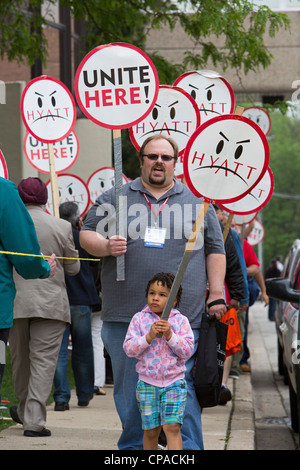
{"x": 85, "y": 79}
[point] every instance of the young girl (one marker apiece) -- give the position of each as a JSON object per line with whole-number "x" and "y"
{"x": 161, "y": 388}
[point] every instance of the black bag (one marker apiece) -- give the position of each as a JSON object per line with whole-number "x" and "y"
{"x": 208, "y": 370}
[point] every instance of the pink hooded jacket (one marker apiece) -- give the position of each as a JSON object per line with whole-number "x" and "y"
{"x": 162, "y": 362}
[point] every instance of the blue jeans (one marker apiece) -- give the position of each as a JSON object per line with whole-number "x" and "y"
{"x": 125, "y": 381}
{"x": 82, "y": 357}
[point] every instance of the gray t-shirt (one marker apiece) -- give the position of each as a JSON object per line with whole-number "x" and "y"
{"x": 122, "y": 299}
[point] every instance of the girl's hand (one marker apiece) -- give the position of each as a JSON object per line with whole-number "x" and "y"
{"x": 152, "y": 333}
{"x": 164, "y": 327}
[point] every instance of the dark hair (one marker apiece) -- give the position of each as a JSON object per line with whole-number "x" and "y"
{"x": 69, "y": 211}
{"x": 166, "y": 279}
{"x": 159, "y": 137}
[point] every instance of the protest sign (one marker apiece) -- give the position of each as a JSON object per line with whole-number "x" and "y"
{"x": 48, "y": 109}
{"x": 116, "y": 86}
{"x": 257, "y": 234}
{"x": 71, "y": 188}
{"x": 260, "y": 117}
{"x": 175, "y": 114}
{"x": 225, "y": 158}
{"x": 100, "y": 181}
{"x": 212, "y": 92}
{"x": 3, "y": 167}
{"x": 65, "y": 152}
{"x": 49, "y": 114}
{"x": 217, "y": 149}
{"x": 256, "y": 199}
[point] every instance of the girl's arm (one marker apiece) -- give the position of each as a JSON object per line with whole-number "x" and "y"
{"x": 135, "y": 341}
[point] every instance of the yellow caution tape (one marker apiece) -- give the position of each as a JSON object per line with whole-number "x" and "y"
{"x": 46, "y": 256}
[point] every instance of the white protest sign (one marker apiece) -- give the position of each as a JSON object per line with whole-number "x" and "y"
{"x": 71, "y": 188}
{"x": 244, "y": 219}
{"x": 256, "y": 199}
{"x": 175, "y": 114}
{"x": 48, "y": 109}
{"x": 65, "y": 153}
{"x": 212, "y": 93}
{"x": 49, "y": 114}
{"x": 116, "y": 85}
{"x": 225, "y": 158}
{"x": 3, "y": 167}
{"x": 257, "y": 234}
{"x": 260, "y": 117}
{"x": 100, "y": 181}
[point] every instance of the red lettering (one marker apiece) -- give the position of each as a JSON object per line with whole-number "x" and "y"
{"x": 120, "y": 96}
{"x": 198, "y": 158}
{"x": 89, "y": 98}
{"x": 135, "y": 95}
{"x": 106, "y": 96}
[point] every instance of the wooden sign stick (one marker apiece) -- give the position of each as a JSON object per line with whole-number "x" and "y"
{"x": 54, "y": 181}
{"x": 185, "y": 260}
{"x": 227, "y": 226}
{"x": 239, "y": 110}
{"x": 117, "y": 141}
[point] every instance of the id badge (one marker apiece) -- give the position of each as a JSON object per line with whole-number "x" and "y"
{"x": 155, "y": 237}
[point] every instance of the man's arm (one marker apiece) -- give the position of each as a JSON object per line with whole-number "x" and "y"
{"x": 97, "y": 245}
{"x": 216, "y": 269}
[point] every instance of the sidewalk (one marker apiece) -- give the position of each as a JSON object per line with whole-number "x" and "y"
{"x": 97, "y": 427}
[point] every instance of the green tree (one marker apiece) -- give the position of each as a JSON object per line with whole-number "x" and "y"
{"x": 281, "y": 216}
{"x": 241, "y": 26}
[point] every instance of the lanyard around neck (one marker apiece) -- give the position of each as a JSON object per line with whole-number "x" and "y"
{"x": 151, "y": 207}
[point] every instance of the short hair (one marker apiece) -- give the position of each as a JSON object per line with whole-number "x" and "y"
{"x": 166, "y": 279}
{"x": 159, "y": 137}
{"x": 69, "y": 211}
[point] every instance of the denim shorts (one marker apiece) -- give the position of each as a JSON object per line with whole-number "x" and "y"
{"x": 161, "y": 405}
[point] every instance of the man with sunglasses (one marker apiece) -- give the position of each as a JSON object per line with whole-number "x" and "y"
{"x": 159, "y": 215}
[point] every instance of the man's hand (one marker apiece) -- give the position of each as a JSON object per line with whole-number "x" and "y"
{"x": 117, "y": 245}
{"x": 218, "y": 310}
{"x": 52, "y": 262}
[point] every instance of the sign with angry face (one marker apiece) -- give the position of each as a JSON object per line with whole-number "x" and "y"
{"x": 100, "y": 181}
{"x": 71, "y": 188}
{"x": 260, "y": 117}
{"x": 212, "y": 93}
{"x": 256, "y": 199}
{"x": 175, "y": 114}
{"x": 225, "y": 158}
{"x": 48, "y": 109}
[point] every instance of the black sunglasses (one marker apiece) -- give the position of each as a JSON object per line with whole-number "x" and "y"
{"x": 153, "y": 157}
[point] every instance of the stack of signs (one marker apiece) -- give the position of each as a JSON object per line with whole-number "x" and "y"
{"x": 224, "y": 160}
{"x": 116, "y": 86}
{"x": 49, "y": 114}
{"x": 245, "y": 210}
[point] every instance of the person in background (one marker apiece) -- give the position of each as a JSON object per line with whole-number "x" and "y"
{"x": 82, "y": 295}
{"x": 235, "y": 288}
{"x": 41, "y": 312}
{"x": 272, "y": 271}
{"x": 17, "y": 235}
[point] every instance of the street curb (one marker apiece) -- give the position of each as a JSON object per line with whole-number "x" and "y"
{"x": 241, "y": 425}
